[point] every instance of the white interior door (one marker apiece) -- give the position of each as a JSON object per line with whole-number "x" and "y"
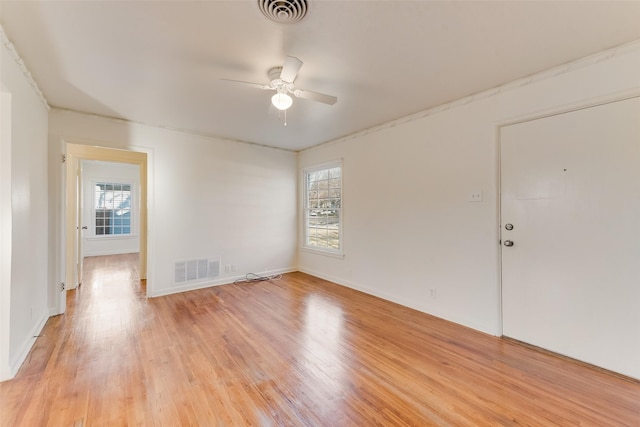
{"x": 570, "y": 188}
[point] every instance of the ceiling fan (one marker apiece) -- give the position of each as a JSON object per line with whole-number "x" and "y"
{"x": 281, "y": 80}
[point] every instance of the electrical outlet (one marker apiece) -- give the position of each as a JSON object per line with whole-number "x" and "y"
{"x": 433, "y": 293}
{"x": 233, "y": 268}
{"x": 227, "y": 268}
{"x": 475, "y": 196}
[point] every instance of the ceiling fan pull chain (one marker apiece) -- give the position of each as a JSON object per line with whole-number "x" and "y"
{"x": 285, "y": 117}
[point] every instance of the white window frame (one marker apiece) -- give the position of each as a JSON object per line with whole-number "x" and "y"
{"x": 339, "y": 252}
{"x": 133, "y": 231}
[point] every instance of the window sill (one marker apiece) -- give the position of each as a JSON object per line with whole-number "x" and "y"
{"x": 339, "y": 255}
{"x": 113, "y": 237}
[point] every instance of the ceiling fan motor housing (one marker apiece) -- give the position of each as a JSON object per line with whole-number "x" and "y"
{"x": 277, "y": 83}
{"x": 274, "y": 73}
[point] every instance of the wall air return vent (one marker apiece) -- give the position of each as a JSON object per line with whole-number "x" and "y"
{"x": 284, "y": 11}
{"x": 196, "y": 270}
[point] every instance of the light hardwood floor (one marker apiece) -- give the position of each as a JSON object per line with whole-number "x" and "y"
{"x": 295, "y": 352}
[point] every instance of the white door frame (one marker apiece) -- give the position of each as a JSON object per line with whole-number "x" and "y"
{"x": 75, "y": 153}
{"x": 5, "y": 234}
{"x": 79, "y": 225}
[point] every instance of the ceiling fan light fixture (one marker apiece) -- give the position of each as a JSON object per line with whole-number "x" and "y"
{"x": 281, "y": 101}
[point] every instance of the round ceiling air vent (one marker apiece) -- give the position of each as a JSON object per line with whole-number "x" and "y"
{"x": 283, "y": 11}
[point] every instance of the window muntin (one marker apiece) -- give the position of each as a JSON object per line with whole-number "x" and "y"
{"x": 112, "y": 207}
{"x": 323, "y": 208}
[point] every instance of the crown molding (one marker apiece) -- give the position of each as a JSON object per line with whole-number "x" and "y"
{"x": 126, "y": 122}
{"x": 605, "y": 55}
{"x": 13, "y": 53}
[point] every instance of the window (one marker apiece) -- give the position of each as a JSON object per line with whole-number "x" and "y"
{"x": 112, "y": 208}
{"x": 323, "y": 207}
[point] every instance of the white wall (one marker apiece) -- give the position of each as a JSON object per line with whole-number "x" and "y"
{"x": 207, "y": 197}
{"x": 409, "y": 227}
{"x": 96, "y": 171}
{"x": 27, "y": 173}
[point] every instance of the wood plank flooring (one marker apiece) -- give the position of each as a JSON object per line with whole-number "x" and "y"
{"x": 299, "y": 351}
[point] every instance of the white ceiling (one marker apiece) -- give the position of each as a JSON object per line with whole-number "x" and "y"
{"x": 160, "y": 62}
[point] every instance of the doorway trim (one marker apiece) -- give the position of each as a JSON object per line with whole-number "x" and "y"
{"x": 76, "y": 152}
{"x": 6, "y": 371}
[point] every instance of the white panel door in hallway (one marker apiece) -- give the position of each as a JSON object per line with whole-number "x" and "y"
{"x": 570, "y": 204}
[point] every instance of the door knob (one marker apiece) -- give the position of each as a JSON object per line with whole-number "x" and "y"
{"x": 509, "y": 227}
{"x": 508, "y": 243}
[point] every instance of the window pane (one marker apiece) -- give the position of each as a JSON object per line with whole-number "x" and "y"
{"x": 112, "y": 208}
{"x": 321, "y": 220}
{"x": 98, "y": 197}
{"x": 333, "y": 233}
{"x": 314, "y": 221}
{"x": 323, "y": 201}
{"x": 319, "y": 237}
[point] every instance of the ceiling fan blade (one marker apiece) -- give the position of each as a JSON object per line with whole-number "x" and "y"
{"x": 256, "y": 85}
{"x": 315, "y": 96}
{"x": 290, "y": 69}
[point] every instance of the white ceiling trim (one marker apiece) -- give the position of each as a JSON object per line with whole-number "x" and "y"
{"x": 61, "y": 110}
{"x": 543, "y": 75}
{"x": 18, "y": 60}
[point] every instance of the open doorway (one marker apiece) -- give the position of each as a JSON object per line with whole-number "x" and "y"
{"x": 76, "y": 154}
{"x": 110, "y": 220}
{"x": 109, "y": 211}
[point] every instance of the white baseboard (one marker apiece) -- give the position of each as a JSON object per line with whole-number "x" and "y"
{"x": 404, "y": 302}
{"x": 5, "y": 373}
{"x": 15, "y": 365}
{"x": 210, "y": 283}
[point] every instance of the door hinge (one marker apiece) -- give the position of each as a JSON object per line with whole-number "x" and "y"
{"x": 64, "y": 158}
{"x": 62, "y": 286}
